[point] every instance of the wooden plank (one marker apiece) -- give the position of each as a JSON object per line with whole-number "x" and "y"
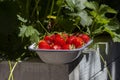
{"x": 4, "y": 71}
{"x": 35, "y": 71}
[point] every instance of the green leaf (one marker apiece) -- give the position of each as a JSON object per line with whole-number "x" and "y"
{"x": 34, "y": 38}
{"x": 29, "y": 31}
{"x": 113, "y": 25}
{"x": 76, "y": 4}
{"x": 99, "y": 19}
{"x": 70, "y": 4}
{"x": 109, "y": 31}
{"x": 102, "y": 20}
{"x": 98, "y": 30}
{"x": 99, "y": 13}
{"x": 116, "y": 38}
{"x": 22, "y": 30}
{"x": 85, "y": 19}
{"x": 92, "y": 5}
{"x": 88, "y": 30}
{"x": 106, "y": 9}
{"x": 80, "y": 4}
{"x": 93, "y": 13}
{"x": 21, "y": 19}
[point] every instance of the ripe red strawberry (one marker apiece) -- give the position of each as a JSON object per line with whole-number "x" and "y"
{"x": 54, "y": 36}
{"x": 48, "y": 39}
{"x": 66, "y": 46}
{"x": 56, "y": 47}
{"x": 78, "y": 42}
{"x": 59, "y": 41}
{"x": 85, "y": 37}
{"x": 70, "y": 39}
{"x": 43, "y": 45}
{"x": 57, "y": 35}
{"x": 63, "y": 41}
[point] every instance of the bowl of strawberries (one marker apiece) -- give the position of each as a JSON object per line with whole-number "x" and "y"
{"x": 61, "y": 48}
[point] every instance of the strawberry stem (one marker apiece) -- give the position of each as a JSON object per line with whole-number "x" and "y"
{"x": 43, "y": 27}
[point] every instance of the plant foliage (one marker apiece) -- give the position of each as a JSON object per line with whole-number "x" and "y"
{"x": 93, "y": 18}
{"x": 35, "y": 18}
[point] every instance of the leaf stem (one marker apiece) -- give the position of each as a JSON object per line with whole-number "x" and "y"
{"x": 59, "y": 8}
{"x": 36, "y": 5}
{"x": 52, "y": 7}
{"x": 92, "y": 26}
{"x": 103, "y": 60}
{"x": 27, "y": 8}
{"x": 58, "y": 12}
{"x": 10, "y": 66}
{"x": 46, "y": 11}
{"x": 11, "y": 70}
{"x": 43, "y": 27}
{"x": 78, "y": 27}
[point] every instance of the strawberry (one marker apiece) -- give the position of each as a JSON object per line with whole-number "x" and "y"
{"x": 78, "y": 42}
{"x": 43, "y": 45}
{"x": 70, "y": 39}
{"x": 66, "y": 46}
{"x": 63, "y": 41}
{"x": 56, "y": 47}
{"x": 48, "y": 39}
{"x": 57, "y": 35}
{"x": 85, "y": 37}
{"x": 54, "y": 36}
{"x": 59, "y": 41}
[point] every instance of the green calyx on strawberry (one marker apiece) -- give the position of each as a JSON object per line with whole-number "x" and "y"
{"x": 63, "y": 41}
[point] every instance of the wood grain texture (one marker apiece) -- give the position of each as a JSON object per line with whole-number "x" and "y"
{"x": 35, "y": 71}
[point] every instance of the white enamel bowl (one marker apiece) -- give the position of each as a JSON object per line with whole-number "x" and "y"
{"x": 58, "y": 56}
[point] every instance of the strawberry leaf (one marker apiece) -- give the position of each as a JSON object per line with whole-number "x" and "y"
{"x": 29, "y": 31}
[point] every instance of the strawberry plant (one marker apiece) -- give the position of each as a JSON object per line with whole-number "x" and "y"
{"x": 91, "y": 18}
{"x": 70, "y": 16}
{"x": 38, "y": 17}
